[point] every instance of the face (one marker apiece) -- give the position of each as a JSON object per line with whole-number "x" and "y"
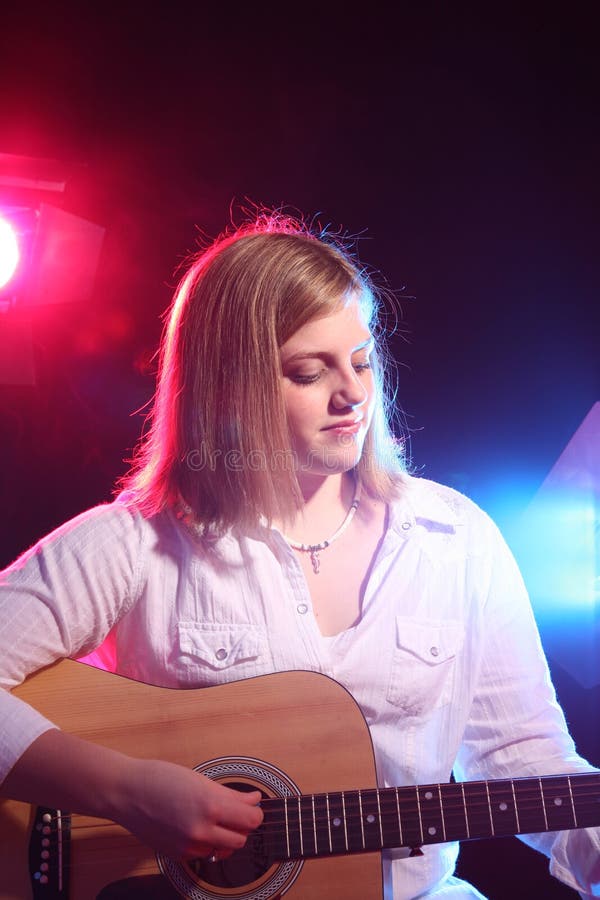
{"x": 329, "y": 391}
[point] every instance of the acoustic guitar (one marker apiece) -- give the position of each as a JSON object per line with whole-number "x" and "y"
{"x": 306, "y": 746}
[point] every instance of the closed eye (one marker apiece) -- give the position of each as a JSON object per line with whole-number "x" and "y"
{"x": 306, "y": 379}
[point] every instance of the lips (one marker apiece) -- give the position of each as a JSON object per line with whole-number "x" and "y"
{"x": 346, "y": 426}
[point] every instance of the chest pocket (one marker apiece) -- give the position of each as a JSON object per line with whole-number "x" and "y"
{"x": 423, "y": 664}
{"x": 213, "y": 654}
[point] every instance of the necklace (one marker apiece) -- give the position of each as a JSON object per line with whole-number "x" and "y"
{"x": 315, "y": 549}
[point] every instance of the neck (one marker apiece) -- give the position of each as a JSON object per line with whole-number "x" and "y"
{"x": 327, "y": 500}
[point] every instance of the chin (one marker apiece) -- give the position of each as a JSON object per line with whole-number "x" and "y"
{"x": 331, "y": 465}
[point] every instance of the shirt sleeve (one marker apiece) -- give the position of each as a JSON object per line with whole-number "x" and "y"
{"x": 60, "y": 599}
{"x": 516, "y": 727}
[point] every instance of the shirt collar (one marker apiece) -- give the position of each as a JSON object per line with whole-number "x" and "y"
{"x": 425, "y": 503}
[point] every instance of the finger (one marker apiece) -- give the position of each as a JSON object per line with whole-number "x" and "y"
{"x": 226, "y": 841}
{"x": 221, "y": 842}
{"x": 240, "y": 811}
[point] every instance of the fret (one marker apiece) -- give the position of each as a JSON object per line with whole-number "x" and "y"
{"x": 344, "y": 821}
{"x": 430, "y": 814}
{"x": 439, "y": 796}
{"x": 378, "y": 795}
{"x": 313, "y": 825}
{"x": 293, "y": 827}
{"x": 275, "y": 828}
{"x": 419, "y": 813}
{"x": 390, "y": 824}
{"x": 454, "y": 811}
{"x": 299, "y": 810}
{"x": 371, "y": 820}
{"x": 502, "y": 807}
{"x": 584, "y": 792}
{"x": 287, "y": 829}
{"x": 322, "y": 826}
{"x": 464, "y": 803}
{"x": 409, "y": 817}
{"x": 516, "y": 808}
{"x": 489, "y": 803}
{"x": 328, "y": 815}
{"x": 531, "y": 815}
{"x": 575, "y": 822}
{"x": 477, "y": 804}
{"x": 362, "y": 824}
{"x": 558, "y": 802}
{"x": 337, "y": 823}
{"x": 307, "y": 823}
{"x": 541, "y": 786}
{"x": 586, "y": 800}
{"x": 354, "y": 825}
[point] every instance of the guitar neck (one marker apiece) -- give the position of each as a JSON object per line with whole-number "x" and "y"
{"x": 357, "y": 821}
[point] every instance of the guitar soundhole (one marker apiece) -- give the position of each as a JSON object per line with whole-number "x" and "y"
{"x": 243, "y": 867}
{"x": 252, "y": 873}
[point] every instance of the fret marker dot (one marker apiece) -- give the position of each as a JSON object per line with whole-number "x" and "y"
{"x": 428, "y": 795}
{"x": 431, "y": 830}
{"x": 337, "y": 822}
{"x": 503, "y": 806}
{"x": 558, "y": 801}
{"x": 370, "y": 818}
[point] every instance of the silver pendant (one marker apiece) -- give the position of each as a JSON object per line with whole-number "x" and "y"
{"x": 316, "y": 562}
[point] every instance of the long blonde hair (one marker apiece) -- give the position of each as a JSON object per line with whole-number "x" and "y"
{"x": 218, "y": 437}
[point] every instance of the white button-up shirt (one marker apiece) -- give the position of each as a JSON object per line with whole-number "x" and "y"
{"x": 445, "y": 661}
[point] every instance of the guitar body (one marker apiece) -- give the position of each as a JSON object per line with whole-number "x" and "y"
{"x": 308, "y": 731}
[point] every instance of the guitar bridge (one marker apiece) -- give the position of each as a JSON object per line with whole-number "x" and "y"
{"x": 49, "y": 854}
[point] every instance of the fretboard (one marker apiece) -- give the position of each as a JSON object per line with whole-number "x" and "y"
{"x": 358, "y": 821}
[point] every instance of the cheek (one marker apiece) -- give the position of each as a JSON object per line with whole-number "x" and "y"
{"x": 300, "y": 412}
{"x": 295, "y": 410}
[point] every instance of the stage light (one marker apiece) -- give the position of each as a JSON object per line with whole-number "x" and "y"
{"x": 9, "y": 252}
{"x": 559, "y": 546}
{"x": 48, "y": 255}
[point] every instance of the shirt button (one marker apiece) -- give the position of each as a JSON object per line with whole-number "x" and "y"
{"x": 406, "y": 526}
{"x": 302, "y": 608}
{"x": 221, "y": 653}
{"x": 434, "y": 651}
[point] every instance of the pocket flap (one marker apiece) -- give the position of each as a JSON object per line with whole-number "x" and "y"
{"x": 431, "y": 641}
{"x": 220, "y": 646}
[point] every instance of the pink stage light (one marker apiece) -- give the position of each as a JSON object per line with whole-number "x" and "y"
{"x": 9, "y": 252}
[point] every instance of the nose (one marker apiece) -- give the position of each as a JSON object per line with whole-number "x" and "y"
{"x": 350, "y": 390}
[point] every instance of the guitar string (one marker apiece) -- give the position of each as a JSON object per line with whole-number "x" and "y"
{"x": 526, "y": 802}
{"x": 269, "y": 840}
{"x": 527, "y": 799}
{"x": 273, "y": 849}
{"x": 267, "y": 846}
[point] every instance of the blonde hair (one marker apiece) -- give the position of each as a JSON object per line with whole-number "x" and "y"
{"x": 218, "y": 437}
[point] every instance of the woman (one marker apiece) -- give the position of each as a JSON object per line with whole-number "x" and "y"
{"x": 267, "y": 524}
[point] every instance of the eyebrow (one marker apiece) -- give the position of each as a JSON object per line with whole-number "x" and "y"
{"x": 313, "y": 354}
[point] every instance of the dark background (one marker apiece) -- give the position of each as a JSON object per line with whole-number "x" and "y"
{"x": 460, "y": 144}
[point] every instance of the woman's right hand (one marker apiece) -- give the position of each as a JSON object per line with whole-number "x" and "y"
{"x": 184, "y": 814}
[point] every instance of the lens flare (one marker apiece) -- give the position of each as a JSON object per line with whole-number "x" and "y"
{"x": 9, "y": 252}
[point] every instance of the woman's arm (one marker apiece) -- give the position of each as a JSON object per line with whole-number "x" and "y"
{"x": 168, "y": 807}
